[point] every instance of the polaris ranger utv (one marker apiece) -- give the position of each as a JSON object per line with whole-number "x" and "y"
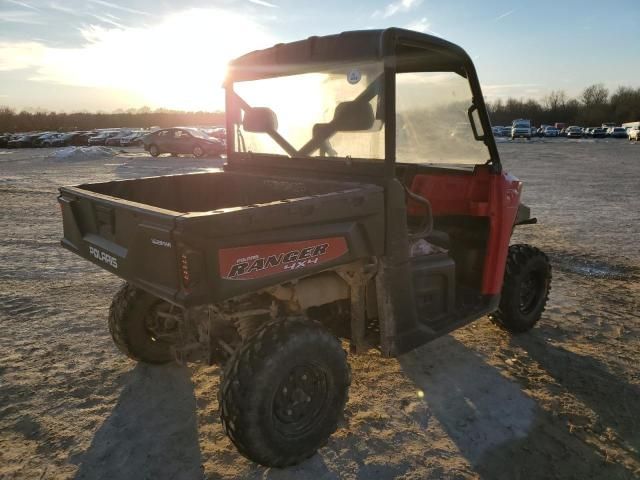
{"x": 345, "y": 210}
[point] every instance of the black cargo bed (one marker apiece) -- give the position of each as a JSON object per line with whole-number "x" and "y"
{"x": 149, "y": 231}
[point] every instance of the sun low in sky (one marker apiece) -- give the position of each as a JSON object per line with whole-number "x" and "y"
{"x": 106, "y": 55}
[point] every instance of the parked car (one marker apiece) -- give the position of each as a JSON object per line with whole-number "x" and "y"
{"x": 69, "y": 139}
{"x": 521, "y": 128}
{"x": 83, "y": 138}
{"x": 219, "y": 132}
{"x": 40, "y": 138}
{"x": 497, "y": 131}
{"x": 133, "y": 139}
{"x": 574, "y": 132}
{"x": 182, "y": 140}
{"x": 50, "y": 140}
{"x": 114, "y": 140}
{"x": 22, "y": 141}
{"x": 599, "y": 132}
{"x": 634, "y": 134}
{"x": 617, "y": 132}
{"x": 102, "y": 137}
{"x": 506, "y": 132}
{"x": 551, "y": 132}
{"x": 4, "y": 140}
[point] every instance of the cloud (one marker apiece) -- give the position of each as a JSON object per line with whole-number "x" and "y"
{"x": 148, "y": 62}
{"x": 119, "y": 7}
{"x": 396, "y": 7}
{"x": 22, "y": 4}
{"x": 107, "y": 20}
{"x": 263, "y": 3}
{"x": 506, "y": 14}
{"x": 64, "y": 9}
{"x": 421, "y": 25}
{"x": 21, "y": 16}
{"x": 17, "y": 56}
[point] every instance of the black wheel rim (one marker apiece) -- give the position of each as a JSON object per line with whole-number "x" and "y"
{"x": 300, "y": 400}
{"x": 531, "y": 290}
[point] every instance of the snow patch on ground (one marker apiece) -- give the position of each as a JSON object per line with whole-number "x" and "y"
{"x": 83, "y": 153}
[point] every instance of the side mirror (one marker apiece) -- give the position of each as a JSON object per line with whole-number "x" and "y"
{"x": 260, "y": 120}
{"x": 353, "y": 116}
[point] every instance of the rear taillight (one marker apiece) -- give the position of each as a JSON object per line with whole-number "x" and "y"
{"x": 184, "y": 269}
{"x": 191, "y": 268}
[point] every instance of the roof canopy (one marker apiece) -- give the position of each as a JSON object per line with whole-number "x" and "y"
{"x": 405, "y": 50}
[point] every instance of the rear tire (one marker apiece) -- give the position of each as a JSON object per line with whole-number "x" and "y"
{"x": 129, "y": 326}
{"x": 198, "y": 151}
{"x": 154, "y": 151}
{"x": 283, "y": 392}
{"x": 527, "y": 282}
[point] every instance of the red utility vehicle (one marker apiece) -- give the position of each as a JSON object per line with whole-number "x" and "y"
{"x": 346, "y": 209}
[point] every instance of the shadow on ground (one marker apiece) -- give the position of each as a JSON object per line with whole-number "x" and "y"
{"x": 500, "y": 430}
{"x": 152, "y": 431}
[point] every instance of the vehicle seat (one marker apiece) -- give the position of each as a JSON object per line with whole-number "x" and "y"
{"x": 439, "y": 238}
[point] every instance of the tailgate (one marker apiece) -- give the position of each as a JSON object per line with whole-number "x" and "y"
{"x": 132, "y": 240}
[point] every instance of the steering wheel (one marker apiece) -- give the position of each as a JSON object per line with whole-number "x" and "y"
{"x": 427, "y": 225}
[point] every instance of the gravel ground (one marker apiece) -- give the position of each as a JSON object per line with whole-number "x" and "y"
{"x": 562, "y": 401}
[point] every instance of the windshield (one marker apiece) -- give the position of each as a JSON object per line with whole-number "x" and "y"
{"x": 334, "y": 112}
{"x": 432, "y": 120}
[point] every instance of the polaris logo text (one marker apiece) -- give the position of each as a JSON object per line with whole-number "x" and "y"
{"x": 103, "y": 257}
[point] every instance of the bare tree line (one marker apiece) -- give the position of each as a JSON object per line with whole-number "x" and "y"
{"x": 40, "y": 120}
{"x": 594, "y": 106}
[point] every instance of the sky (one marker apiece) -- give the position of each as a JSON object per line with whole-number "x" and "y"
{"x": 104, "y": 55}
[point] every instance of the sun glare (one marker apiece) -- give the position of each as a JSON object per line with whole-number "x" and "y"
{"x": 179, "y": 63}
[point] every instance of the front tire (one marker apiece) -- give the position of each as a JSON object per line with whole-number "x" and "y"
{"x": 283, "y": 392}
{"x": 133, "y": 326}
{"x": 527, "y": 282}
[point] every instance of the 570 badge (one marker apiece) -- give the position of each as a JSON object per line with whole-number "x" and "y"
{"x": 104, "y": 257}
{"x": 257, "y": 261}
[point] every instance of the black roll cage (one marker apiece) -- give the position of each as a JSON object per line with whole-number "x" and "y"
{"x": 400, "y": 51}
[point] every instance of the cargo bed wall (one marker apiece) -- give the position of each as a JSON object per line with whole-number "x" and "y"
{"x": 131, "y": 242}
{"x": 204, "y": 192}
{"x": 243, "y": 250}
